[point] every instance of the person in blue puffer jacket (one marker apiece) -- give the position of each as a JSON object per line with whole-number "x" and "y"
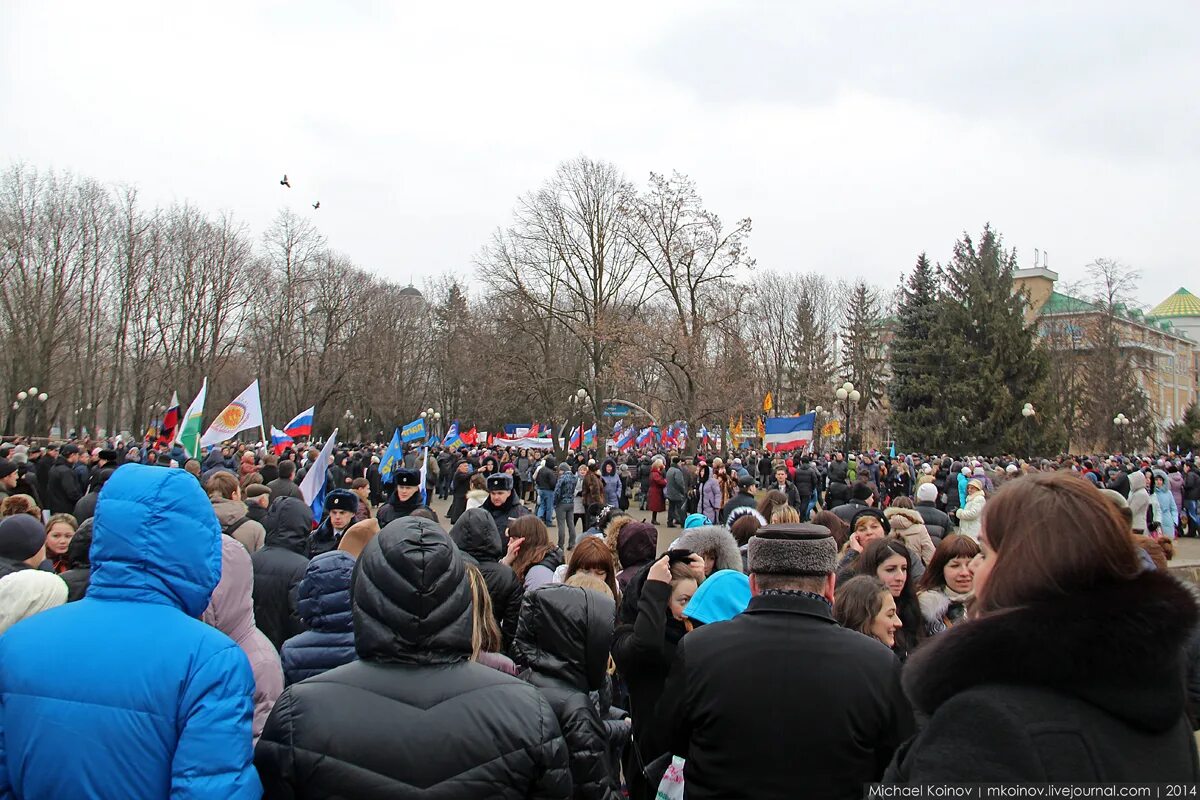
{"x": 165, "y": 704}
{"x": 324, "y": 605}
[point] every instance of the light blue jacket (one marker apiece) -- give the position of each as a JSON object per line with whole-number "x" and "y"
{"x": 126, "y": 693}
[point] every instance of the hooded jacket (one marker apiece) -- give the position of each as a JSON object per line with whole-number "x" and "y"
{"x": 635, "y": 544}
{"x": 79, "y": 570}
{"x": 1139, "y": 500}
{"x": 278, "y": 568}
{"x": 612, "y": 483}
{"x": 413, "y": 717}
{"x": 562, "y": 640}
{"x": 231, "y": 611}
{"x": 28, "y": 592}
{"x": 250, "y": 533}
{"x": 911, "y": 526}
{"x": 1168, "y": 512}
{"x": 476, "y": 536}
{"x": 715, "y": 540}
{"x": 1063, "y": 705}
{"x": 323, "y": 602}
{"x": 163, "y": 689}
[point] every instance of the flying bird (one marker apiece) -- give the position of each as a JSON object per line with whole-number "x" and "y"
{"x": 317, "y": 204}
{"x": 284, "y": 182}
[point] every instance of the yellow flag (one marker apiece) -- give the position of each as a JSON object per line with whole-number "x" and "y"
{"x": 762, "y": 431}
{"x": 832, "y": 428}
{"x": 768, "y": 402}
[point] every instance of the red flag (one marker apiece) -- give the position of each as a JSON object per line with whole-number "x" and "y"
{"x": 471, "y": 437}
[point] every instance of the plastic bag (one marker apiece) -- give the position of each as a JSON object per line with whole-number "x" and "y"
{"x": 671, "y": 785}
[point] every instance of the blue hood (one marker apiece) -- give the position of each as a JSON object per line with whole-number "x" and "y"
{"x": 155, "y": 539}
{"x": 723, "y": 596}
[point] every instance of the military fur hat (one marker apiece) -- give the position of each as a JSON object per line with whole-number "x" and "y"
{"x": 793, "y": 549}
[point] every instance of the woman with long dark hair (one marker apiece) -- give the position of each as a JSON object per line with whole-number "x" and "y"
{"x": 890, "y": 561}
{"x": 1071, "y": 667}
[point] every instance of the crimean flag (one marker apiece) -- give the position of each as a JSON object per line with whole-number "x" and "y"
{"x": 768, "y": 403}
{"x": 170, "y": 422}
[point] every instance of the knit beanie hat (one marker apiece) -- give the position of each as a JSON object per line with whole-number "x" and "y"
{"x": 793, "y": 549}
{"x": 870, "y": 512}
{"x": 926, "y": 493}
{"x": 860, "y": 491}
{"x": 21, "y": 536}
{"x": 695, "y": 521}
{"x": 723, "y": 596}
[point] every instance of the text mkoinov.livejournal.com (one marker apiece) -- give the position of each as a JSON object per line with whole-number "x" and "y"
{"x": 982, "y": 791}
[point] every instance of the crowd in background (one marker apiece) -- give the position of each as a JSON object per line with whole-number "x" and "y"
{"x": 805, "y": 625}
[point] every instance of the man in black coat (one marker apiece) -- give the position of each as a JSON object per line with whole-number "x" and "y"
{"x": 861, "y": 496}
{"x": 938, "y": 523}
{"x": 476, "y": 535}
{"x": 503, "y": 503}
{"x": 62, "y": 486}
{"x": 405, "y": 499}
{"x": 279, "y": 567}
{"x": 820, "y": 710}
{"x": 467, "y": 730}
{"x": 807, "y": 479}
{"x": 284, "y": 486}
{"x": 744, "y": 498}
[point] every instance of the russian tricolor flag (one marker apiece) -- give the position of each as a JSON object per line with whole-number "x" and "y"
{"x": 280, "y": 441}
{"x": 646, "y": 437}
{"x": 302, "y": 425}
{"x": 625, "y": 440}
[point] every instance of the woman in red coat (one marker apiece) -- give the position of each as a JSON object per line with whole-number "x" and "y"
{"x": 658, "y": 484}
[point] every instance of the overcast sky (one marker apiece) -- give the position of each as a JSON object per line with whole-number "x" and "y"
{"x": 855, "y": 135}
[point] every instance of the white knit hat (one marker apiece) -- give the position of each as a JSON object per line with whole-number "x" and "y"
{"x": 26, "y": 592}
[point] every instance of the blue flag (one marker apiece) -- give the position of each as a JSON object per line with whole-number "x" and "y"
{"x": 413, "y": 430}
{"x": 391, "y": 457}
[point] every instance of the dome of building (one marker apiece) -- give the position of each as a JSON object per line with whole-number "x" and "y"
{"x": 1181, "y": 304}
{"x": 411, "y": 291}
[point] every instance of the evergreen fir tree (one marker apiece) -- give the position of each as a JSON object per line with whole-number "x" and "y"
{"x": 917, "y": 351}
{"x": 862, "y": 356}
{"x": 992, "y": 363}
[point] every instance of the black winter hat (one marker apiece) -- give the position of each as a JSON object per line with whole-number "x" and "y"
{"x": 860, "y": 491}
{"x": 501, "y": 482}
{"x": 342, "y": 500}
{"x": 21, "y": 536}
{"x": 408, "y": 477}
{"x": 871, "y": 512}
{"x": 7, "y": 468}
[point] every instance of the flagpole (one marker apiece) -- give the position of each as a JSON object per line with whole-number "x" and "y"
{"x": 266, "y": 442}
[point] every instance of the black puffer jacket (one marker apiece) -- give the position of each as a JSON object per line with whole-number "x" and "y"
{"x": 279, "y": 567}
{"x": 413, "y": 717}
{"x": 79, "y": 575}
{"x": 562, "y": 642}
{"x": 476, "y": 536}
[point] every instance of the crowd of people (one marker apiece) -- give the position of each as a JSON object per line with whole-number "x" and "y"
{"x": 804, "y": 626}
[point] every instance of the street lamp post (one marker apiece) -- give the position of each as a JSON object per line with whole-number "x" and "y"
{"x": 849, "y": 396}
{"x": 1028, "y": 412}
{"x": 578, "y": 403}
{"x": 31, "y": 399}
{"x": 817, "y": 429}
{"x": 1121, "y": 422}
